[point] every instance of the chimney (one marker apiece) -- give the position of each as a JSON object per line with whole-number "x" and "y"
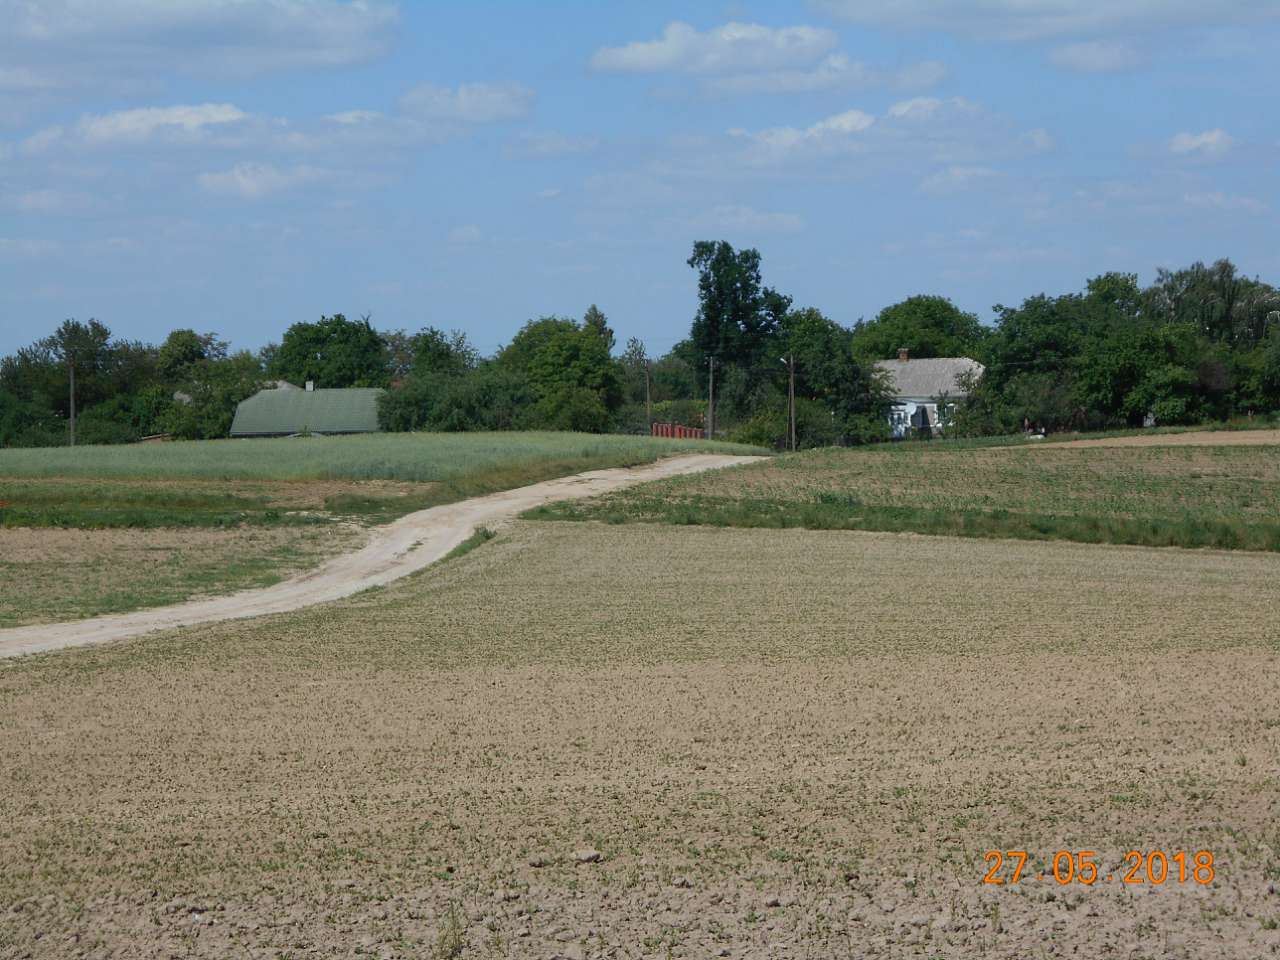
{"x": 902, "y": 355}
{"x": 311, "y": 384}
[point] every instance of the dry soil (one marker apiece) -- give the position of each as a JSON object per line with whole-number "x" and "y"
{"x": 52, "y": 575}
{"x": 642, "y": 741}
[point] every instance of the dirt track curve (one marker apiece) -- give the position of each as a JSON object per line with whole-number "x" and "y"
{"x": 410, "y": 543}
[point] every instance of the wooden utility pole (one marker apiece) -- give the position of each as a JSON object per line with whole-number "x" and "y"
{"x": 791, "y": 401}
{"x": 648, "y": 402}
{"x": 71, "y": 367}
{"x": 711, "y": 398}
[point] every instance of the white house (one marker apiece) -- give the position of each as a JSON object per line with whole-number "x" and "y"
{"x": 918, "y": 386}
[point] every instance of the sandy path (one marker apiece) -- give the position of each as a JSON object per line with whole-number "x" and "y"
{"x": 1197, "y": 438}
{"x": 398, "y": 549}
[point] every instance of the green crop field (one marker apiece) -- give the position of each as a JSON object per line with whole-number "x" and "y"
{"x": 106, "y": 529}
{"x": 1145, "y": 493}
{"x": 384, "y": 456}
{"x": 224, "y": 483}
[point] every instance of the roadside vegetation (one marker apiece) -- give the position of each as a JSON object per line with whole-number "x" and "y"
{"x": 1181, "y": 495}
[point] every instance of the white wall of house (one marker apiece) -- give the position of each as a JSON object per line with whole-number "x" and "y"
{"x": 906, "y": 413}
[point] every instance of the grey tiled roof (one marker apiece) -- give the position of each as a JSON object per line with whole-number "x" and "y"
{"x": 274, "y": 412}
{"x": 926, "y": 379}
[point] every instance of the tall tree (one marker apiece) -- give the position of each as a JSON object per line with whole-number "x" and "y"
{"x": 183, "y": 348}
{"x": 81, "y": 347}
{"x": 828, "y": 373}
{"x": 925, "y": 326}
{"x": 593, "y": 319}
{"x": 737, "y": 316}
{"x": 334, "y": 352}
{"x": 1224, "y": 306}
{"x": 440, "y": 354}
{"x": 579, "y": 385}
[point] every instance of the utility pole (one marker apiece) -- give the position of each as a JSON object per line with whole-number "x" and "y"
{"x": 791, "y": 401}
{"x": 790, "y": 361}
{"x": 71, "y": 367}
{"x": 648, "y": 402}
{"x": 711, "y": 398}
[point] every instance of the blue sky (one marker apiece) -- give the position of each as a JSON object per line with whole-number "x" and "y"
{"x": 240, "y": 165}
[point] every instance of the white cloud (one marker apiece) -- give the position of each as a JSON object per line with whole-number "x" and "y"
{"x": 1048, "y": 19}
{"x": 26, "y": 80}
{"x": 469, "y": 102}
{"x": 77, "y": 42}
{"x": 550, "y": 193}
{"x": 1210, "y": 144}
{"x": 1097, "y": 56}
{"x": 252, "y": 181}
{"x": 832, "y": 131}
{"x": 44, "y": 200}
{"x": 140, "y": 124}
{"x": 466, "y": 234}
{"x": 918, "y": 108}
{"x": 551, "y": 144}
{"x": 836, "y": 71}
{"x": 1231, "y": 203}
{"x": 934, "y": 109}
{"x": 1039, "y": 140}
{"x": 741, "y": 58}
{"x": 948, "y": 141}
{"x": 352, "y": 118}
{"x": 739, "y": 218}
{"x": 918, "y": 76}
{"x": 41, "y": 140}
{"x": 956, "y": 178}
{"x": 27, "y": 247}
{"x": 732, "y": 48}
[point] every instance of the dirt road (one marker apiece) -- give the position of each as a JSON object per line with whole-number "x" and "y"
{"x": 400, "y": 548}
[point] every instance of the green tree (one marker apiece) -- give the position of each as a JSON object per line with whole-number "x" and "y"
{"x": 208, "y": 394}
{"x": 440, "y": 354}
{"x": 737, "y": 316}
{"x": 1222, "y": 305}
{"x": 81, "y": 347}
{"x": 487, "y": 397}
{"x": 593, "y": 319}
{"x": 926, "y": 326}
{"x": 578, "y": 384}
{"x": 635, "y": 364}
{"x": 184, "y": 348}
{"x": 333, "y": 352}
{"x": 828, "y": 375}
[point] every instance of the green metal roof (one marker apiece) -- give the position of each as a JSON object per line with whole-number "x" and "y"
{"x": 285, "y": 411}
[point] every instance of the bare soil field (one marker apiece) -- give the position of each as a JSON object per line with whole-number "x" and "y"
{"x": 1196, "y": 438}
{"x": 52, "y": 575}
{"x": 649, "y": 741}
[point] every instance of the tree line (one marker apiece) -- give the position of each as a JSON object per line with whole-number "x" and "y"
{"x": 1198, "y": 344}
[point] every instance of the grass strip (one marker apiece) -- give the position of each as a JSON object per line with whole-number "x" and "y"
{"x": 841, "y": 512}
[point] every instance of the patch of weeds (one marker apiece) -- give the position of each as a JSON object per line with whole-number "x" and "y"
{"x": 480, "y": 536}
{"x": 452, "y": 938}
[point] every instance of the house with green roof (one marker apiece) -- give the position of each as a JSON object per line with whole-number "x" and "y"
{"x": 285, "y": 410}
